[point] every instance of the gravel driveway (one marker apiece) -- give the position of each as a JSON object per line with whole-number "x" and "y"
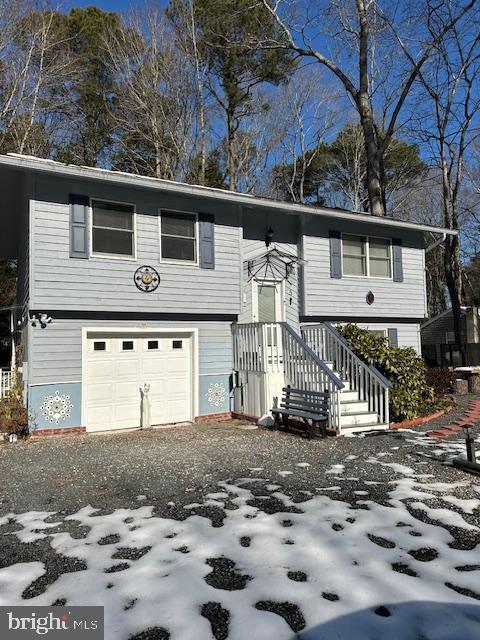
{"x": 245, "y": 533}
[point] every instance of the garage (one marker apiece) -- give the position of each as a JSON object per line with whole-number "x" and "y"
{"x": 118, "y": 365}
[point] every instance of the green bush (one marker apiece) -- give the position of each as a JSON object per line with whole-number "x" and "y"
{"x": 13, "y": 414}
{"x": 402, "y": 367}
{"x": 441, "y": 380}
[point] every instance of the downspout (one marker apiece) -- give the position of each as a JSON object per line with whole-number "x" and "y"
{"x": 437, "y": 242}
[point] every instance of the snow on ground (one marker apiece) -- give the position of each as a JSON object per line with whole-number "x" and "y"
{"x": 321, "y": 568}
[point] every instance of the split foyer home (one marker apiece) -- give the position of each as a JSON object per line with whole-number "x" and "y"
{"x": 205, "y": 300}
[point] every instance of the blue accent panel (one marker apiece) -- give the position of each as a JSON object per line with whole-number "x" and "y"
{"x": 214, "y": 394}
{"x": 55, "y": 406}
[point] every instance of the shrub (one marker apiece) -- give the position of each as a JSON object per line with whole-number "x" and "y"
{"x": 402, "y": 367}
{"x": 441, "y": 380}
{"x": 13, "y": 414}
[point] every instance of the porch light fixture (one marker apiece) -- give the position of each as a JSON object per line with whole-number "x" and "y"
{"x": 43, "y": 319}
{"x": 269, "y": 237}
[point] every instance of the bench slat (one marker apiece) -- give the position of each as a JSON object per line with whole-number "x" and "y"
{"x": 303, "y": 403}
{"x": 302, "y": 414}
{"x": 304, "y": 392}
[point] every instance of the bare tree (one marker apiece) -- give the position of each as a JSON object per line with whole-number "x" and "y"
{"x": 156, "y": 107}
{"x": 451, "y": 82}
{"x": 307, "y": 113}
{"x": 34, "y": 63}
{"x": 360, "y": 23}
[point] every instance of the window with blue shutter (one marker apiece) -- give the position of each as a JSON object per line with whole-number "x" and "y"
{"x": 206, "y": 235}
{"x": 79, "y": 206}
{"x": 335, "y": 254}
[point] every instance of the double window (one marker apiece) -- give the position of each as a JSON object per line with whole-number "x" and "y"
{"x": 178, "y": 233}
{"x": 113, "y": 229}
{"x": 366, "y": 256}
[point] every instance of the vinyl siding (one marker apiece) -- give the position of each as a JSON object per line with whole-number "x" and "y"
{"x": 106, "y": 284}
{"x": 333, "y": 297}
{"x": 57, "y": 349}
{"x": 408, "y": 334}
{"x": 436, "y": 332}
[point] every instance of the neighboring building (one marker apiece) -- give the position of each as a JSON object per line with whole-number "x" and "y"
{"x": 90, "y": 244}
{"x": 439, "y": 346}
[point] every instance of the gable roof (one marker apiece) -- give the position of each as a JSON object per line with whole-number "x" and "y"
{"x": 248, "y": 201}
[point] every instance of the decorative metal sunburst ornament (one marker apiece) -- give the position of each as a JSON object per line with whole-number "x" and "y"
{"x": 273, "y": 265}
{"x": 146, "y": 279}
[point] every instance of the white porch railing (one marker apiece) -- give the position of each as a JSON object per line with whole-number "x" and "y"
{"x": 371, "y": 385}
{"x": 5, "y": 382}
{"x": 275, "y": 348}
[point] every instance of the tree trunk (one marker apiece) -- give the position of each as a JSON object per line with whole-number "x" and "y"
{"x": 230, "y": 151}
{"x": 372, "y": 151}
{"x": 453, "y": 276}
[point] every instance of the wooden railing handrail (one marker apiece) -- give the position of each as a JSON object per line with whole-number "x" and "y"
{"x": 318, "y": 361}
{"x": 373, "y": 370}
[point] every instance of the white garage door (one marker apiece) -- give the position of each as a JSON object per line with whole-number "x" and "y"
{"x": 117, "y": 367}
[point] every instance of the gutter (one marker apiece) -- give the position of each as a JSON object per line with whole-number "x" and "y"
{"x": 41, "y": 165}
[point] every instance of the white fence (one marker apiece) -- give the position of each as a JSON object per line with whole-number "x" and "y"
{"x": 5, "y": 382}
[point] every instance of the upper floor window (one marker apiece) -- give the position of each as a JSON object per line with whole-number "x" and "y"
{"x": 179, "y": 236}
{"x": 366, "y": 256}
{"x": 113, "y": 229}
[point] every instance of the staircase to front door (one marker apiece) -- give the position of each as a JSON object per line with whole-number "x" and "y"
{"x": 268, "y": 356}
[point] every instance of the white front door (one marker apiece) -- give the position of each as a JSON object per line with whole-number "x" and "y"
{"x": 118, "y": 365}
{"x": 268, "y": 305}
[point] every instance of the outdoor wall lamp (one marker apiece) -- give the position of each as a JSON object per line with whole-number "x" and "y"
{"x": 42, "y": 319}
{"x": 269, "y": 237}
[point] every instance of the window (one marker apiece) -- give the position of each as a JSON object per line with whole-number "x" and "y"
{"x": 152, "y": 345}
{"x": 99, "y": 346}
{"x": 179, "y": 236}
{"x": 177, "y": 344}
{"x": 378, "y": 333}
{"x": 450, "y": 337}
{"x": 365, "y": 256}
{"x": 127, "y": 345}
{"x": 380, "y": 264}
{"x": 354, "y": 256}
{"x": 112, "y": 229}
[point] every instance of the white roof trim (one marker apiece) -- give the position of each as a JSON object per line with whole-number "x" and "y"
{"x": 42, "y": 165}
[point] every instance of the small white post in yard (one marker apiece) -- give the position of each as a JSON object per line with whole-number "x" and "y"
{"x": 146, "y": 413}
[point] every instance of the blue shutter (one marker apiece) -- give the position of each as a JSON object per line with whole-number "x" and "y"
{"x": 79, "y": 226}
{"x": 392, "y": 337}
{"x": 206, "y": 236}
{"x": 397, "y": 260}
{"x": 335, "y": 254}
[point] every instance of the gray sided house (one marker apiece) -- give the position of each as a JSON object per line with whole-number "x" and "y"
{"x": 214, "y": 300}
{"x": 439, "y": 347}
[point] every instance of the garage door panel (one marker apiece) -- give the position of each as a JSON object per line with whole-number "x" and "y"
{"x": 127, "y": 412}
{"x": 98, "y": 370}
{"x": 127, "y": 391}
{"x": 154, "y": 366}
{"x": 99, "y": 392}
{"x": 127, "y": 368}
{"x": 99, "y": 416}
{"x": 115, "y": 377}
{"x": 177, "y": 365}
